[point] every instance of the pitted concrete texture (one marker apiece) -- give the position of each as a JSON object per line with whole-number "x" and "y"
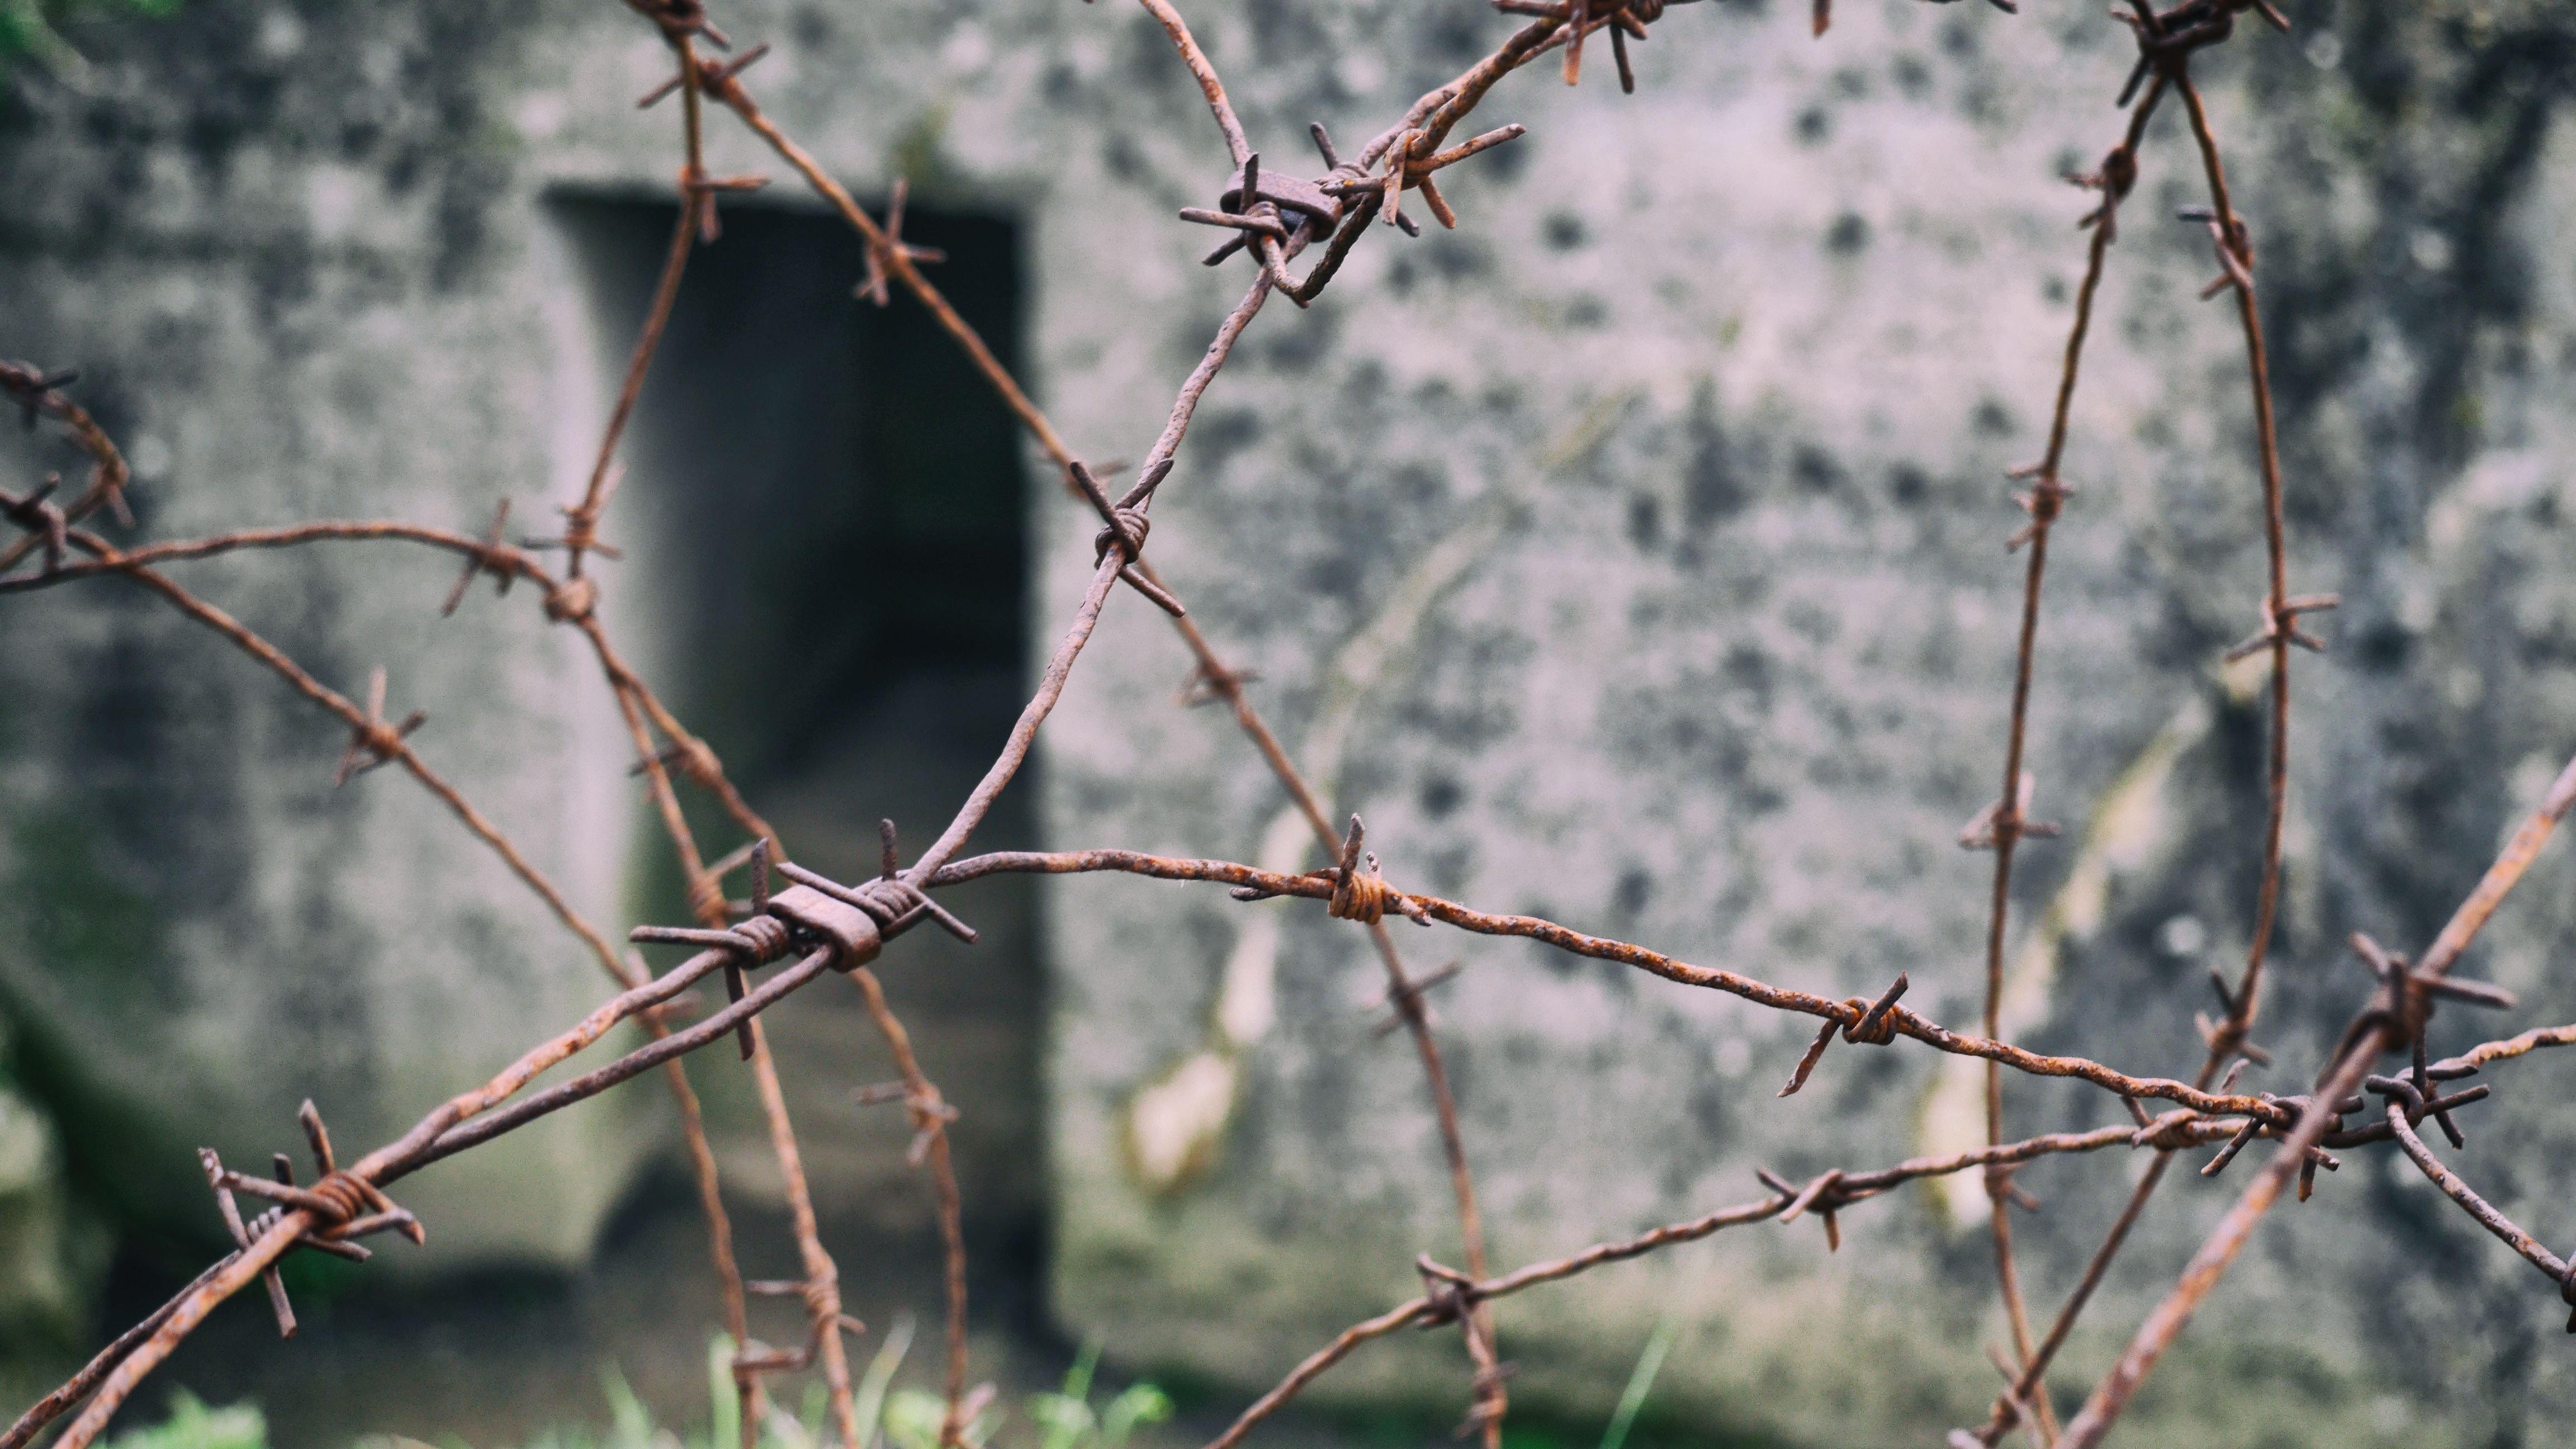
{"x": 291, "y": 254}
{"x": 1631, "y": 556}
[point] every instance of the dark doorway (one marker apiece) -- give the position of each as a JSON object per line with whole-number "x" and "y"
{"x": 824, "y": 506}
{"x": 825, "y": 515}
{"x": 835, "y": 497}
{"x": 825, "y": 575}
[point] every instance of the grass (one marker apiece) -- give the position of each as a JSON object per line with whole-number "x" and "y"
{"x": 1641, "y": 1381}
{"x": 889, "y": 1418}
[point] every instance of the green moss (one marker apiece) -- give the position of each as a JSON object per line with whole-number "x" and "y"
{"x": 918, "y": 157}
{"x": 79, "y": 921}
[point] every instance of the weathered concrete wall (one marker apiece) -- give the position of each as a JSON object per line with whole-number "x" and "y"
{"x": 1630, "y": 556}
{"x": 312, "y": 261}
{"x": 288, "y": 250}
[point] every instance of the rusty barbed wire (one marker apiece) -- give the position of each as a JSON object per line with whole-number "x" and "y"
{"x": 573, "y": 601}
{"x": 38, "y": 393}
{"x": 2380, "y": 1030}
{"x": 826, "y": 925}
{"x": 2003, "y": 825}
{"x": 821, "y": 931}
{"x": 374, "y": 742}
{"x": 2165, "y": 43}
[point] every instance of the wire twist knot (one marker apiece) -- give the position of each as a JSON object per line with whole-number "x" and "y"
{"x": 1872, "y": 1023}
{"x": 1126, "y": 533}
{"x": 679, "y": 19}
{"x": 43, "y": 519}
{"x": 348, "y": 1196}
{"x": 1824, "y": 1195}
{"x": 571, "y": 601}
{"x": 495, "y": 557}
{"x": 36, "y": 390}
{"x": 931, "y": 1115}
{"x": 1126, "y": 529}
{"x": 373, "y": 741}
{"x": 339, "y": 1208}
{"x": 1452, "y": 1294}
{"x": 890, "y": 903}
{"x": 1360, "y": 893}
{"x": 767, "y": 937}
{"x": 2166, "y": 40}
{"x": 2404, "y": 1002}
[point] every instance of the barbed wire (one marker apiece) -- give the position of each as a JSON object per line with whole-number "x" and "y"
{"x": 815, "y": 925}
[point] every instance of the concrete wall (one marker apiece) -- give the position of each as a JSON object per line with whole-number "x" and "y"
{"x": 314, "y": 261}
{"x": 1631, "y": 556}
{"x": 295, "y": 259}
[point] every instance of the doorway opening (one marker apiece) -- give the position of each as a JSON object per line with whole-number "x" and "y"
{"x": 825, "y": 575}
{"x": 835, "y": 500}
{"x": 827, "y": 571}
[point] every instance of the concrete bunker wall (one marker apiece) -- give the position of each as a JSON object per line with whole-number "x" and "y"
{"x": 1631, "y": 556}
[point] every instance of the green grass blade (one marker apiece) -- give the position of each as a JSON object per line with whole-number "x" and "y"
{"x": 1640, "y": 1381}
